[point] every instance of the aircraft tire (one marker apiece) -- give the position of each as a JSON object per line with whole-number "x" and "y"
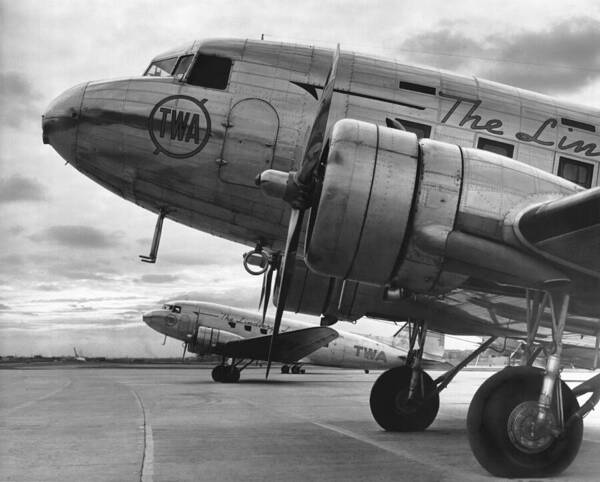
{"x": 499, "y": 424}
{"x": 218, "y": 373}
{"x": 285, "y": 369}
{"x": 295, "y": 369}
{"x": 232, "y": 374}
{"x": 390, "y": 405}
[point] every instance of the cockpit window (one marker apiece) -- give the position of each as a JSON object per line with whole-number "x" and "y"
{"x": 182, "y": 66}
{"x": 173, "y": 308}
{"x": 161, "y": 68}
{"x": 210, "y": 71}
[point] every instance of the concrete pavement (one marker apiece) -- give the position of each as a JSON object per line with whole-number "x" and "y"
{"x": 172, "y": 424}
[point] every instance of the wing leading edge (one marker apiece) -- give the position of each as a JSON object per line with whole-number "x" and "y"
{"x": 566, "y": 231}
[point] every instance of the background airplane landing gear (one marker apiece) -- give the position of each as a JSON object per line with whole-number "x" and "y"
{"x": 502, "y": 432}
{"x": 226, "y": 374}
{"x": 285, "y": 369}
{"x": 391, "y": 406}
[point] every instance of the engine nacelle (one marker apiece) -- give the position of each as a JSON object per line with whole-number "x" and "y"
{"x": 211, "y": 340}
{"x": 380, "y": 185}
{"x": 395, "y": 211}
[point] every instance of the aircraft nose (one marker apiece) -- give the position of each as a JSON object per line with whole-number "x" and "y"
{"x": 155, "y": 320}
{"x": 61, "y": 120}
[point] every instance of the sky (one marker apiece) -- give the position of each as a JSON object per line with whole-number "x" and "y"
{"x": 69, "y": 268}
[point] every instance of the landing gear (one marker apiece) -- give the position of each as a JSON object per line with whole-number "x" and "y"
{"x": 505, "y": 435}
{"x": 395, "y": 410}
{"x": 526, "y": 422}
{"x": 226, "y": 374}
{"x": 294, "y": 369}
{"x": 229, "y": 373}
{"x": 405, "y": 399}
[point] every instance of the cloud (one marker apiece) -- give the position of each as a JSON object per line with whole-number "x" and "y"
{"x": 4, "y": 307}
{"x": 16, "y": 229}
{"x": 157, "y": 278}
{"x": 19, "y": 188}
{"x": 20, "y": 101}
{"x": 76, "y": 236}
{"x": 563, "y": 57}
{"x": 47, "y": 287}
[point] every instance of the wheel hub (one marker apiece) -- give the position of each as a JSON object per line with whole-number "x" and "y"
{"x": 524, "y": 432}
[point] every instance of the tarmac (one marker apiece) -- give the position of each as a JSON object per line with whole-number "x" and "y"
{"x": 92, "y": 423}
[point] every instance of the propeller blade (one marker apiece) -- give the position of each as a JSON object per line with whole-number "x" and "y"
{"x": 287, "y": 267}
{"x": 304, "y": 182}
{"x": 314, "y": 146}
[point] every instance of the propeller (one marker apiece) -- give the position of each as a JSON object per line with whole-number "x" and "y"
{"x": 301, "y": 188}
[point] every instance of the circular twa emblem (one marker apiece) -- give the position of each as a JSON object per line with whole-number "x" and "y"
{"x": 179, "y": 126}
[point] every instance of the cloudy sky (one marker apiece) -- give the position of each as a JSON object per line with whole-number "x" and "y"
{"x": 69, "y": 272}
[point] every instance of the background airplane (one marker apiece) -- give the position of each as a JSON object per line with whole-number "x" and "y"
{"x": 77, "y": 356}
{"x": 244, "y": 337}
{"x": 461, "y": 205}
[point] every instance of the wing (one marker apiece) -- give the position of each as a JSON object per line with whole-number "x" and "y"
{"x": 288, "y": 347}
{"x": 566, "y": 231}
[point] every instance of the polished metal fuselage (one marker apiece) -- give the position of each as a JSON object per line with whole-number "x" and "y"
{"x": 260, "y": 121}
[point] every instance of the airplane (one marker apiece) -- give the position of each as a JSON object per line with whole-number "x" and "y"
{"x": 244, "y": 337}
{"x": 77, "y": 356}
{"x": 374, "y": 188}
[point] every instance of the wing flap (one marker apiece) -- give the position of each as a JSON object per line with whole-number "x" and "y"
{"x": 288, "y": 347}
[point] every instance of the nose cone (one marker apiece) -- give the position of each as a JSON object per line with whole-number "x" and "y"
{"x": 153, "y": 320}
{"x": 60, "y": 122}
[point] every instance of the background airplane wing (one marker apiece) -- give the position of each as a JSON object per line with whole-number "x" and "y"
{"x": 288, "y": 347}
{"x": 566, "y": 231}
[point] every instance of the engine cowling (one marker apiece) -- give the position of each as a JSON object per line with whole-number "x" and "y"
{"x": 211, "y": 340}
{"x": 381, "y": 185}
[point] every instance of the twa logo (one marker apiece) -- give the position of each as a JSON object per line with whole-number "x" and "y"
{"x": 179, "y": 126}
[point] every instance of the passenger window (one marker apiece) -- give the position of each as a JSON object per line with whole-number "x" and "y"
{"x": 248, "y": 327}
{"x": 502, "y": 148}
{"x": 176, "y": 309}
{"x": 161, "y": 68}
{"x": 210, "y": 71}
{"x": 232, "y": 324}
{"x": 576, "y": 171}
{"x": 423, "y": 131}
{"x": 182, "y": 66}
{"x": 263, "y": 331}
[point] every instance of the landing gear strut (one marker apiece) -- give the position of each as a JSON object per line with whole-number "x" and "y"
{"x": 524, "y": 422}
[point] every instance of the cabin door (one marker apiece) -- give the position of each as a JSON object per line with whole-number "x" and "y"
{"x": 250, "y": 139}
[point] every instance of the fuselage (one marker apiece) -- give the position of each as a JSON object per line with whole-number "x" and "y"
{"x": 192, "y": 143}
{"x": 181, "y": 320}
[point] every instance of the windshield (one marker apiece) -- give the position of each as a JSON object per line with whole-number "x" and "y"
{"x": 161, "y": 68}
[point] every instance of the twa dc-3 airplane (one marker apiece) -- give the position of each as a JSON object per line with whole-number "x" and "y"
{"x": 207, "y": 328}
{"x": 457, "y": 204}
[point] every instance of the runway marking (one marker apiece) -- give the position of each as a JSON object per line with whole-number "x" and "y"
{"x": 147, "y": 468}
{"x": 36, "y": 400}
